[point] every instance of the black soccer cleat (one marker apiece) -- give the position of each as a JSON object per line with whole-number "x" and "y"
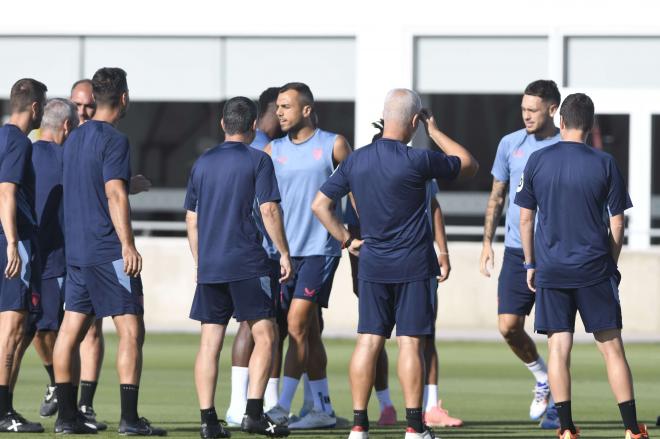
{"x": 90, "y": 415}
{"x": 78, "y": 426}
{"x": 13, "y": 422}
{"x": 49, "y": 405}
{"x": 657, "y": 422}
{"x": 140, "y": 428}
{"x": 213, "y": 431}
{"x": 264, "y": 426}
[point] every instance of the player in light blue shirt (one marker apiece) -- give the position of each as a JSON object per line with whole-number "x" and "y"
{"x": 515, "y": 301}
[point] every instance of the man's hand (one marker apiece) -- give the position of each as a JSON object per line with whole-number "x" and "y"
{"x": 445, "y": 267}
{"x": 13, "y": 267}
{"x": 355, "y": 246}
{"x": 487, "y": 261}
{"x": 132, "y": 261}
{"x": 531, "y": 279}
{"x": 139, "y": 183}
{"x": 285, "y": 269}
{"x": 428, "y": 120}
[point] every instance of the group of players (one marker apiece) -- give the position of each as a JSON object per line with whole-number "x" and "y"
{"x": 277, "y": 181}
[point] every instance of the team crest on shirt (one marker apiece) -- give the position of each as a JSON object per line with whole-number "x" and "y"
{"x": 519, "y": 153}
{"x": 317, "y": 153}
{"x": 521, "y": 183}
{"x": 282, "y": 159}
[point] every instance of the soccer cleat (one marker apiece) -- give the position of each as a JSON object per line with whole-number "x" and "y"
{"x": 550, "y": 420}
{"x": 387, "y": 416}
{"x": 234, "y": 419}
{"x": 426, "y": 434}
{"x": 278, "y": 415}
{"x": 315, "y": 419}
{"x": 358, "y": 432}
{"x": 566, "y": 434}
{"x": 213, "y": 431}
{"x": 264, "y": 426}
{"x": 78, "y": 426}
{"x": 540, "y": 401}
{"x": 643, "y": 433}
{"x": 13, "y": 422}
{"x": 90, "y": 416}
{"x": 439, "y": 417}
{"x": 140, "y": 428}
{"x": 49, "y": 405}
{"x": 307, "y": 407}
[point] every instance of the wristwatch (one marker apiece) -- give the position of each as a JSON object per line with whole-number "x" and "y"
{"x": 347, "y": 243}
{"x": 529, "y": 266}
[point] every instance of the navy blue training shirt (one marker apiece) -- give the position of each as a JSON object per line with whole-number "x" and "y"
{"x": 94, "y": 154}
{"x": 47, "y": 164}
{"x": 16, "y": 167}
{"x": 573, "y": 186}
{"x": 388, "y": 180}
{"x": 223, "y": 185}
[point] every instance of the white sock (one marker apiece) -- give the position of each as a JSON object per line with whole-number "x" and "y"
{"x": 384, "y": 398}
{"x": 239, "y": 386}
{"x": 321, "y": 395}
{"x": 271, "y": 394}
{"x": 308, "y": 395}
{"x": 430, "y": 396}
{"x": 539, "y": 370}
{"x": 289, "y": 386}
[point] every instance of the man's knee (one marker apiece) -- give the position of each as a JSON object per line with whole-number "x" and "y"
{"x": 511, "y": 326}
{"x": 130, "y": 329}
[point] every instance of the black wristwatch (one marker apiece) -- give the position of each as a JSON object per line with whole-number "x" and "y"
{"x": 347, "y": 243}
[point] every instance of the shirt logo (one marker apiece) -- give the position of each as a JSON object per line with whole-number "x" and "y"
{"x": 36, "y": 298}
{"x": 519, "y": 153}
{"x": 282, "y": 159}
{"x": 521, "y": 183}
{"x": 309, "y": 293}
{"x": 317, "y": 153}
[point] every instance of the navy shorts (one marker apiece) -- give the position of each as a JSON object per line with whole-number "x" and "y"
{"x": 20, "y": 293}
{"x": 52, "y": 305}
{"x": 411, "y": 306}
{"x": 513, "y": 295}
{"x": 249, "y": 299}
{"x": 312, "y": 280}
{"x": 598, "y": 305}
{"x": 103, "y": 290}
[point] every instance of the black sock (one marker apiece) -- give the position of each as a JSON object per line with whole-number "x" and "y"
{"x": 4, "y": 400}
{"x": 209, "y": 416}
{"x": 565, "y": 416}
{"x": 87, "y": 391}
{"x": 254, "y": 408}
{"x": 51, "y": 373}
{"x": 66, "y": 403}
{"x": 414, "y": 418}
{"x": 74, "y": 393}
{"x": 629, "y": 415}
{"x": 11, "y": 401}
{"x": 361, "y": 419}
{"x": 129, "y": 401}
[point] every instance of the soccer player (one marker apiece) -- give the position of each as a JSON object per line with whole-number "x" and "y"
{"x": 233, "y": 273}
{"x": 303, "y": 160}
{"x": 19, "y": 289}
{"x": 571, "y": 260}
{"x": 397, "y": 261}
{"x": 268, "y": 128}
{"x": 103, "y": 265}
{"x": 539, "y": 104}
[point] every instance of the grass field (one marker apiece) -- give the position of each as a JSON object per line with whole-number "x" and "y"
{"x": 480, "y": 382}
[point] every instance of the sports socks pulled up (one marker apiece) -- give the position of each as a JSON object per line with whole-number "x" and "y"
{"x": 628, "y": 411}
{"x": 430, "y": 397}
{"x": 565, "y": 416}
{"x": 321, "y": 394}
{"x": 414, "y": 418}
{"x": 361, "y": 419}
{"x": 539, "y": 370}
{"x": 129, "y": 400}
{"x": 87, "y": 392}
{"x": 384, "y": 399}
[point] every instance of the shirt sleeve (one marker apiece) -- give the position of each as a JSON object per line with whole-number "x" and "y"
{"x": 525, "y": 196}
{"x": 501, "y": 164}
{"x": 337, "y": 184}
{"x": 265, "y": 185}
{"x": 190, "y": 202}
{"x": 117, "y": 160}
{"x": 12, "y": 168}
{"x": 618, "y": 199}
{"x": 440, "y": 165}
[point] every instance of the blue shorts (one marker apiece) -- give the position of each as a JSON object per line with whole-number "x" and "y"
{"x": 249, "y": 299}
{"x": 22, "y": 292}
{"x": 513, "y": 295}
{"x": 411, "y": 306}
{"x": 52, "y": 305}
{"x": 598, "y": 305}
{"x": 312, "y": 280}
{"x": 103, "y": 290}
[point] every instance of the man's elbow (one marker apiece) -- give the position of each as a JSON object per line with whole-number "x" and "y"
{"x": 319, "y": 205}
{"x": 469, "y": 168}
{"x": 268, "y": 210}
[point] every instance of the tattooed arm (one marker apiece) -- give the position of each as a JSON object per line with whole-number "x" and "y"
{"x": 493, "y": 215}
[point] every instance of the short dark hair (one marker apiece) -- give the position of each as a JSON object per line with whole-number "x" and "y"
{"x": 238, "y": 115}
{"x": 267, "y": 97}
{"x": 577, "y": 112}
{"x": 24, "y": 92}
{"x": 303, "y": 90}
{"x": 546, "y": 89}
{"x": 82, "y": 81}
{"x": 108, "y": 85}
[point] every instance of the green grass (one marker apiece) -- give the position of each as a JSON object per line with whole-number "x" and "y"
{"x": 480, "y": 382}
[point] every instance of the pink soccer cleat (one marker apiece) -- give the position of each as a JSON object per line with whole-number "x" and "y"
{"x": 387, "y": 416}
{"x": 439, "y": 417}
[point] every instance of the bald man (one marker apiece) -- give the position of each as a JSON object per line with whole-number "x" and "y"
{"x": 397, "y": 267}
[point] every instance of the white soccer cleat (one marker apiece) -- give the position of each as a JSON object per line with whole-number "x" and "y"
{"x": 540, "y": 401}
{"x": 279, "y": 415}
{"x": 314, "y": 419}
{"x": 358, "y": 433}
{"x": 427, "y": 434}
